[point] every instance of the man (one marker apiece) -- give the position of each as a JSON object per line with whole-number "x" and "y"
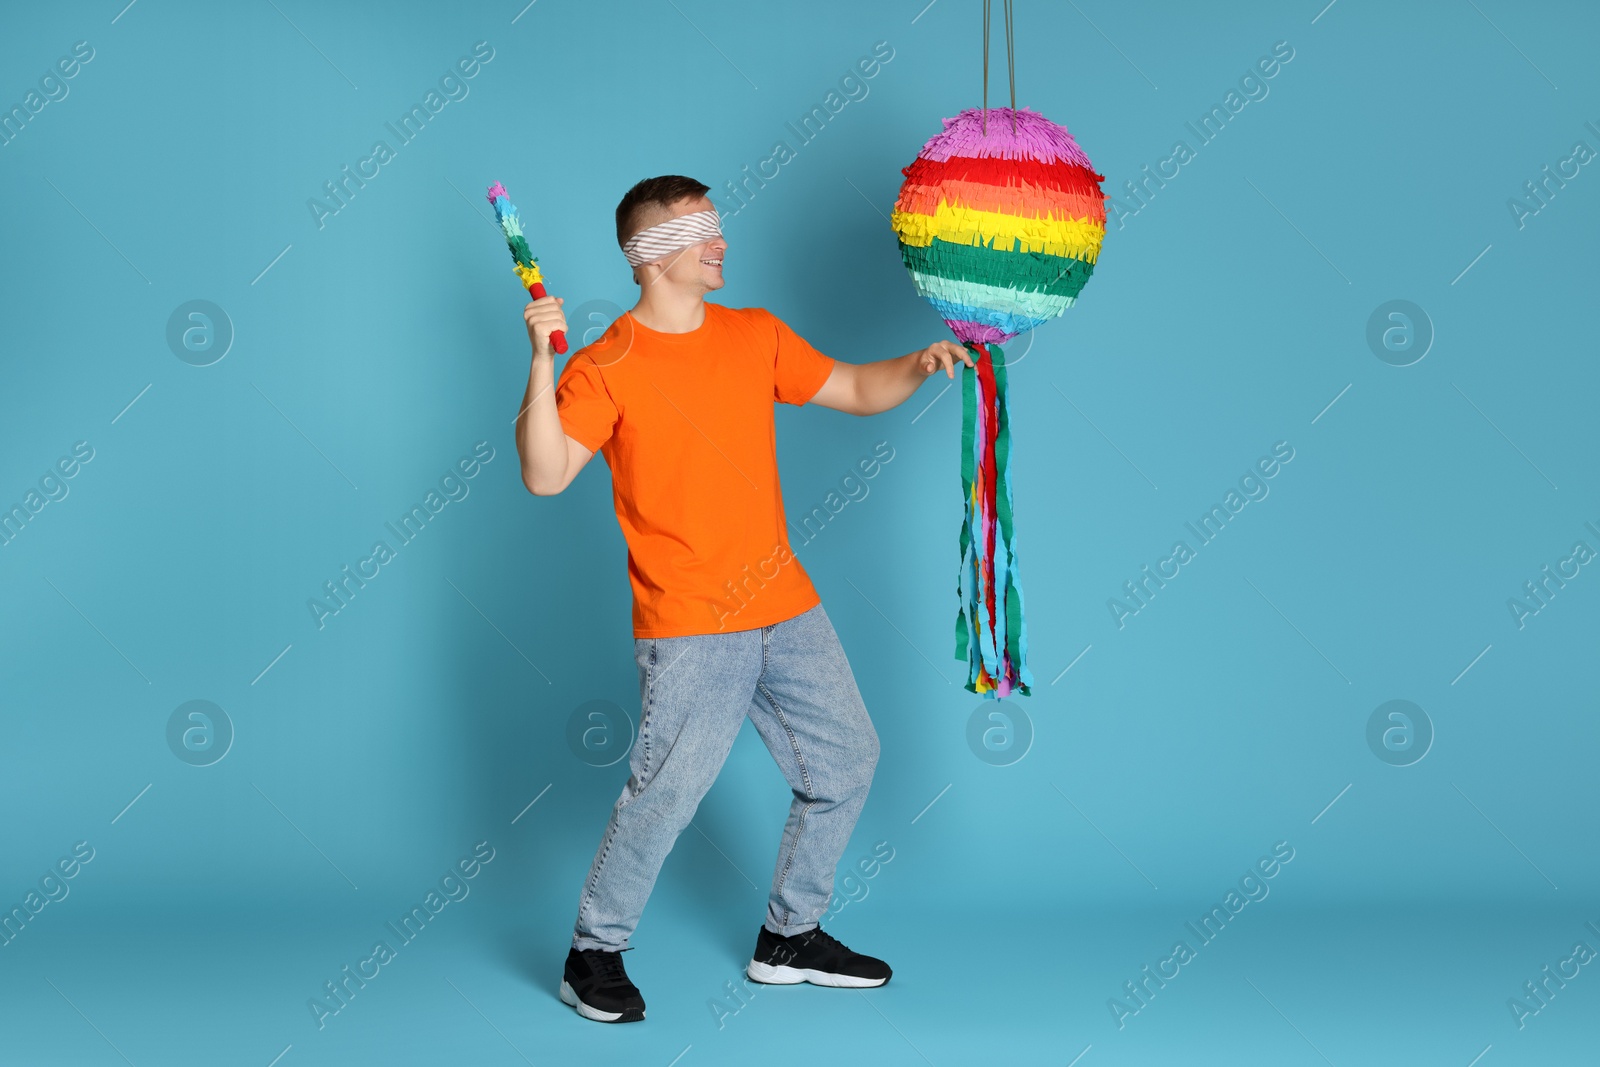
{"x": 678, "y": 395}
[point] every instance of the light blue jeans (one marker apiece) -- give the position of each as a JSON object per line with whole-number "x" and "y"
{"x": 793, "y": 681}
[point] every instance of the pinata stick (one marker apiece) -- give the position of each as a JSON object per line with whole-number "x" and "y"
{"x": 558, "y": 339}
{"x": 526, "y": 266}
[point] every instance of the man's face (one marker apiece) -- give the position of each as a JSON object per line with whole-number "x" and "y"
{"x": 698, "y": 267}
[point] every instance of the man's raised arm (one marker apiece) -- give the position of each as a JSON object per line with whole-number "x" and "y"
{"x": 550, "y": 459}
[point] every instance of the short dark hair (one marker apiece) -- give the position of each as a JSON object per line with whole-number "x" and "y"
{"x": 664, "y": 191}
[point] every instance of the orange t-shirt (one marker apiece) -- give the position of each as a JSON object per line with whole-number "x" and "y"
{"x": 685, "y": 422}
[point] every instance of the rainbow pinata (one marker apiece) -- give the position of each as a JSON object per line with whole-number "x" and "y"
{"x": 1000, "y": 222}
{"x": 1000, "y": 231}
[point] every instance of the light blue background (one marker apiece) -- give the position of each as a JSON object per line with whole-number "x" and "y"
{"x": 1227, "y": 315}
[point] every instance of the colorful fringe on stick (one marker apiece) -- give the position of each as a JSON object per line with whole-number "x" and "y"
{"x": 522, "y": 258}
{"x": 1000, "y": 231}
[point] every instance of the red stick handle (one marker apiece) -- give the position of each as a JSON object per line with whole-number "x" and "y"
{"x": 558, "y": 339}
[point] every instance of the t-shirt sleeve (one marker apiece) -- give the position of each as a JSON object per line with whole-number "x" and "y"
{"x": 584, "y": 405}
{"x": 798, "y": 369}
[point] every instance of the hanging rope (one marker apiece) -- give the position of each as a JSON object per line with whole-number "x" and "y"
{"x": 1011, "y": 65}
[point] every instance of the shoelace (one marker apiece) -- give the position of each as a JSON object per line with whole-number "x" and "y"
{"x": 818, "y": 939}
{"x": 608, "y": 969}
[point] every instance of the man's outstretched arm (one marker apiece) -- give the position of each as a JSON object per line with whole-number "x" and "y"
{"x": 868, "y": 388}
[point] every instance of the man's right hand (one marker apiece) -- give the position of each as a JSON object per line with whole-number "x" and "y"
{"x": 544, "y": 317}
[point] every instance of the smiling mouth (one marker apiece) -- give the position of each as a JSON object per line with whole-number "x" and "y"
{"x": 713, "y": 263}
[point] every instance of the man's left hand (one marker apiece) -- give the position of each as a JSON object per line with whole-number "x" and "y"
{"x": 943, "y": 354}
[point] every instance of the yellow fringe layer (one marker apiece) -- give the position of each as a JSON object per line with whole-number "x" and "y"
{"x": 1074, "y": 238}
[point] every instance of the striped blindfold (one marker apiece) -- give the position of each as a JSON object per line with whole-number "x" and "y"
{"x": 674, "y": 235}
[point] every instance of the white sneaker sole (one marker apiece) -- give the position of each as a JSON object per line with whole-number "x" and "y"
{"x": 781, "y": 975}
{"x": 571, "y": 998}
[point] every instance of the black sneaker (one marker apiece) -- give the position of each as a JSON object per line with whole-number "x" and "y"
{"x": 813, "y": 957}
{"x": 596, "y": 984}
